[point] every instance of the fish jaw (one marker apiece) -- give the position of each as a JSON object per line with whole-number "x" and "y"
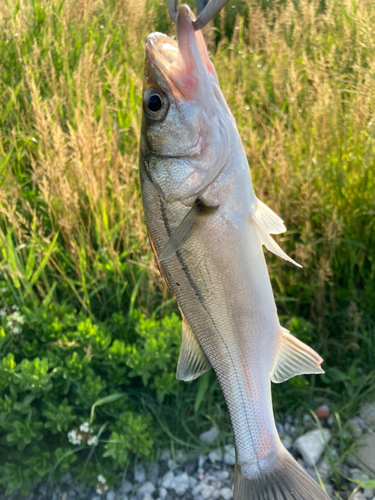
{"x": 187, "y": 149}
{"x": 185, "y": 64}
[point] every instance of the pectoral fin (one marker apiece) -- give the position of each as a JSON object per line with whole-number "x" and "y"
{"x": 295, "y": 358}
{"x": 191, "y": 220}
{"x": 192, "y": 362}
{"x": 269, "y": 221}
{"x": 271, "y": 244}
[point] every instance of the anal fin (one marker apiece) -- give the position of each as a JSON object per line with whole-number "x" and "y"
{"x": 192, "y": 362}
{"x": 270, "y": 222}
{"x": 295, "y": 358}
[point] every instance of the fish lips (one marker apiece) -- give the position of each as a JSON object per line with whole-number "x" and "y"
{"x": 185, "y": 64}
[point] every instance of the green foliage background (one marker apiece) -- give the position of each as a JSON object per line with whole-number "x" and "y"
{"x": 88, "y": 332}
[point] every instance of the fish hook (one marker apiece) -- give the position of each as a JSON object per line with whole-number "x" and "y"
{"x": 208, "y": 13}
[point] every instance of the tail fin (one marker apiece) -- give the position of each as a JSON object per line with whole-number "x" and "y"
{"x": 288, "y": 482}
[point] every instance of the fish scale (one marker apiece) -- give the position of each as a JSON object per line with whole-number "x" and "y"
{"x": 207, "y": 229}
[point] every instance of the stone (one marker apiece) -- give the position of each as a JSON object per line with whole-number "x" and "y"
{"x": 215, "y": 455}
{"x": 172, "y": 464}
{"x": 367, "y": 493}
{"x": 324, "y": 470}
{"x": 198, "y": 488}
{"x": 163, "y": 493}
{"x": 153, "y": 474}
{"x": 358, "y": 475}
{"x": 111, "y": 495}
{"x": 229, "y": 455}
{"x": 126, "y": 487}
{"x": 181, "y": 456}
{"x": 201, "y": 460}
{"x": 311, "y": 445}
{"x": 329, "y": 489}
{"x": 147, "y": 496}
{"x": 221, "y": 475}
{"x": 192, "y": 482}
{"x": 139, "y": 474}
{"x": 226, "y": 493}
{"x": 323, "y": 412}
{"x": 96, "y": 497}
{"x": 207, "y": 491}
{"x": 180, "y": 483}
{"x": 357, "y": 426}
{"x": 368, "y": 416}
{"x": 364, "y": 454}
{"x": 147, "y": 487}
{"x": 167, "y": 480}
{"x": 358, "y": 496}
{"x": 287, "y": 442}
{"x": 165, "y": 455}
{"x": 280, "y": 428}
{"x": 209, "y": 436}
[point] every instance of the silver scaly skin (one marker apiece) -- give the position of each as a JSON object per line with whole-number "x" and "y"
{"x": 195, "y": 180}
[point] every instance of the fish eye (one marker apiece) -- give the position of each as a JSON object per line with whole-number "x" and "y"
{"x": 155, "y": 104}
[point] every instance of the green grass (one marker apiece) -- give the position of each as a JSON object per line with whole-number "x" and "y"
{"x": 299, "y": 80}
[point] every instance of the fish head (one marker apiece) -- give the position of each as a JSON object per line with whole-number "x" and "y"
{"x": 185, "y": 137}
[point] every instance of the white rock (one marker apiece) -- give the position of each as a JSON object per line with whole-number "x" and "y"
{"x": 180, "y": 483}
{"x": 221, "y": 475}
{"x": 167, "y": 480}
{"x": 357, "y": 425}
{"x": 139, "y": 473}
{"x": 111, "y": 495}
{"x": 209, "y": 436}
{"x": 368, "y": 493}
{"x": 368, "y": 416}
{"x": 358, "y": 475}
{"x": 216, "y": 495}
{"x": 215, "y": 455}
{"x": 358, "y": 496}
{"x": 162, "y": 493}
{"x": 287, "y": 441}
{"x": 147, "y": 487}
{"x": 96, "y": 497}
{"x": 153, "y": 473}
{"x": 192, "y": 482}
{"x": 172, "y": 464}
{"x": 165, "y": 455}
{"x": 198, "y": 488}
{"x": 181, "y": 456}
{"x": 329, "y": 489}
{"x": 229, "y": 455}
{"x": 226, "y": 493}
{"x": 147, "y": 496}
{"x": 311, "y": 445}
{"x": 324, "y": 470}
{"x": 207, "y": 492}
{"x": 201, "y": 460}
{"x": 126, "y": 488}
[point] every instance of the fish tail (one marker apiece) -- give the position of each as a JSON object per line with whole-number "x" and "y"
{"x": 287, "y": 482}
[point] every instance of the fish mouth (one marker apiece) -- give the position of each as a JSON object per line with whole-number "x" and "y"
{"x": 184, "y": 62}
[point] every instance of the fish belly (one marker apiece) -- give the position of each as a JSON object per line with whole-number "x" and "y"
{"x": 221, "y": 282}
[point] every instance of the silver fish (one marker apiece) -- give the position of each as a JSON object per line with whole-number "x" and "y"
{"x": 207, "y": 228}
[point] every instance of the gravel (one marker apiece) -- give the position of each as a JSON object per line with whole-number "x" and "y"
{"x": 210, "y": 476}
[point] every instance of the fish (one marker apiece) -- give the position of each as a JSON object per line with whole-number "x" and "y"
{"x": 207, "y": 230}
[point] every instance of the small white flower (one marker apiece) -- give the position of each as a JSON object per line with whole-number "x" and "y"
{"x": 9, "y": 324}
{"x": 93, "y": 441}
{"x": 3, "y": 312}
{"x": 14, "y": 308}
{"x": 85, "y": 427}
{"x": 16, "y": 330}
{"x": 17, "y": 317}
{"x": 73, "y": 437}
{"x": 4, "y": 290}
{"x": 99, "y": 491}
{"x": 101, "y": 479}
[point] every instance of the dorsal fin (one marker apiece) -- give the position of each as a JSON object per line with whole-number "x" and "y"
{"x": 295, "y": 358}
{"x": 192, "y": 362}
{"x": 270, "y": 222}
